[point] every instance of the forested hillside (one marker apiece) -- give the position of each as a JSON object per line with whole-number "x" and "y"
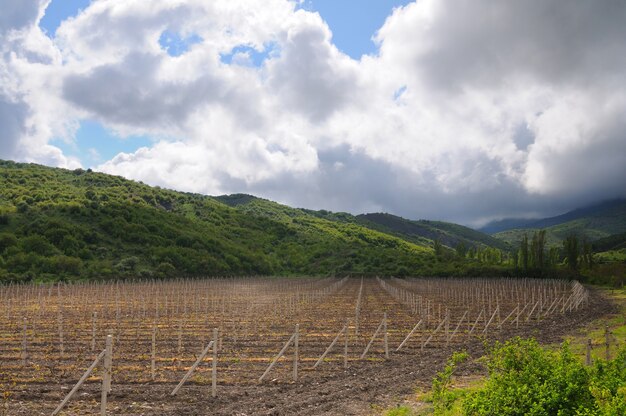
{"x": 62, "y": 224}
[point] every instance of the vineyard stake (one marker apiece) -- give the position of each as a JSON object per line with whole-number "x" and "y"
{"x": 106, "y": 378}
{"x": 280, "y": 354}
{"x": 372, "y": 340}
{"x": 345, "y": 346}
{"x": 296, "y": 353}
{"x": 214, "y": 365}
{"x": 192, "y": 369}
{"x": 332, "y": 344}
{"x": 153, "y": 353}
{"x": 409, "y": 336}
{"x": 80, "y": 383}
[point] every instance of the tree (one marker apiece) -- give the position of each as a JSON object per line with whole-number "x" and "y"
{"x": 537, "y": 247}
{"x": 461, "y": 250}
{"x": 524, "y": 252}
{"x": 570, "y": 244}
{"x": 438, "y": 247}
{"x": 587, "y": 254}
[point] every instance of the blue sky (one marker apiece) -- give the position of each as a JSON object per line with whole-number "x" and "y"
{"x": 353, "y": 23}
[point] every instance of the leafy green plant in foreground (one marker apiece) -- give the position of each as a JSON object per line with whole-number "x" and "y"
{"x": 525, "y": 379}
{"x": 442, "y": 396}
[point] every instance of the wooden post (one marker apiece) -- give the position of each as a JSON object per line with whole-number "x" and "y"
{"x": 192, "y": 369}
{"x": 588, "y": 360}
{"x": 93, "y": 330}
{"x": 106, "y": 377}
{"x": 280, "y": 354}
{"x": 61, "y": 343}
{"x": 459, "y": 325}
{"x": 385, "y": 336}
{"x": 409, "y": 336}
{"x": 372, "y": 340}
{"x": 24, "y": 343}
{"x": 332, "y": 344}
{"x": 214, "y": 365}
{"x": 345, "y": 346}
{"x": 80, "y": 383}
{"x": 490, "y": 319}
{"x": 432, "y": 334}
{"x": 153, "y": 353}
{"x": 295, "y": 355}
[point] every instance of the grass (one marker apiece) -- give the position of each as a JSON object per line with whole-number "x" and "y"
{"x": 595, "y": 330}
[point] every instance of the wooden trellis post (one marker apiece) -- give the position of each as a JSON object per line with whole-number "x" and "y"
{"x": 24, "y": 343}
{"x": 280, "y": 354}
{"x": 383, "y": 324}
{"x": 214, "y": 365}
{"x": 106, "y": 378}
{"x": 409, "y": 335}
{"x": 153, "y": 353}
{"x": 345, "y": 346}
{"x": 296, "y": 353}
{"x": 106, "y": 354}
{"x": 332, "y": 344}
{"x": 193, "y": 368}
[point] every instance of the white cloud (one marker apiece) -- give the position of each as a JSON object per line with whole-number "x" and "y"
{"x": 470, "y": 110}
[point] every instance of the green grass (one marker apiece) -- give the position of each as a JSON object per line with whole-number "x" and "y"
{"x": 595, "y": 330}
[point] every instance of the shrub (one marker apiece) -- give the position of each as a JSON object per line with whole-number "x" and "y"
{"x": 525, "y": 379}
{"x": 442, "y": 397}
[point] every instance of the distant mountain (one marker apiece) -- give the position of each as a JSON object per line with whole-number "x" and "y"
{"x": 419, "y": 231}
{"x": 604, "y": 209}
{"x": 590, "y": 223}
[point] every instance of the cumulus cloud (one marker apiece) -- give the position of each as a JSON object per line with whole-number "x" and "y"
{"x": 468, "y": 111}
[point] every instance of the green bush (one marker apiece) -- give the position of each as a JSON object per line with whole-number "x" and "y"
{"x": 525, "y": 379}
{"x": 442, "y": 397}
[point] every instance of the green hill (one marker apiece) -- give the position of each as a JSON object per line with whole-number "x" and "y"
{"x": 62, "y": 224}
{"x": 603, "y": 209}
{"x": 421, "y": 233}
{"x": 447, "y": 233}
{"x": 592, "y": 223}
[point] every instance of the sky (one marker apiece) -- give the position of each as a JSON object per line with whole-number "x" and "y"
{"x": 457, "y": 110}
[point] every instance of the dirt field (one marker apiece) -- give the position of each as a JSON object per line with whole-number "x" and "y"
{"x": 48, "y": 332}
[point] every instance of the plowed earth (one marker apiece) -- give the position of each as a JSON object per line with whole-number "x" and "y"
{"x": 255, "y": 318}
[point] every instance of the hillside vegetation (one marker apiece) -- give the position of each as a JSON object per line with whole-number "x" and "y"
{"x": 62, "y": 224}
{"x": 589, "y": 224}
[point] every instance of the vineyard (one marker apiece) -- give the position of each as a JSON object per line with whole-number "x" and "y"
{"x": 339, "y": 338}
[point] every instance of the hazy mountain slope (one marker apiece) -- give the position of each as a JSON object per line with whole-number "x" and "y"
{"x": 592, "y": 223}
{"x": 447, "y": 233}
{"x": 607, "y": 209}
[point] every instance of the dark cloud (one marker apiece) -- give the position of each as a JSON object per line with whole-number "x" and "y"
{"x": 485, "y": 43}
{"x": 353, "y": 182}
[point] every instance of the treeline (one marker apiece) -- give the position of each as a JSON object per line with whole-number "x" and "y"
{"x": 533, "y": 258}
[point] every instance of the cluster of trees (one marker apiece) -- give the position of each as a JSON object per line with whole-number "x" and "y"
{"x": 533, "y": 257}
